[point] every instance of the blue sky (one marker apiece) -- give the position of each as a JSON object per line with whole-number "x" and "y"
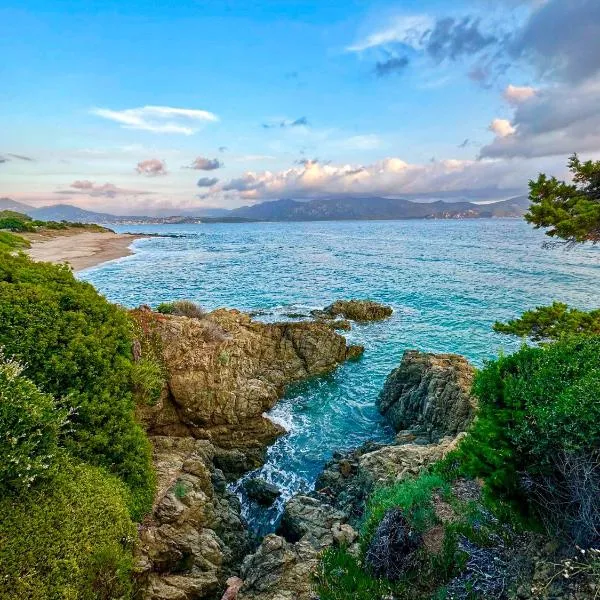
{"x": 287, "y": 99}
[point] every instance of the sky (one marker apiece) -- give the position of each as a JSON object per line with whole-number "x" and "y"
{"x": 134, "y": 107}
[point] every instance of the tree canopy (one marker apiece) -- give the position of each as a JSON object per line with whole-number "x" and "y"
{"x": 571, "y": 212}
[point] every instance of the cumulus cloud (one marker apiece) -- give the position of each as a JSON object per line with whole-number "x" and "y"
{"x": 205, "y": 164}
{"x": 106, "y": 190}
{"x": 151, "y": 167}
{"x": 502, "y": 127}
{"x": 158, "y": 119}
{"x": 207, "y": 181}
{"x": 393, "y": 64}
{"x": 516, "y": 95}
{"x": 390, "y": 177}
{"x": 555, "y": 121}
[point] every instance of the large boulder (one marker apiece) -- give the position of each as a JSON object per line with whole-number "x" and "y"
{"x": 225, "y": 370}
{"x": 261, "y": 491}
{"x": 429, "y": 395}
{"x": 358, "y": 310}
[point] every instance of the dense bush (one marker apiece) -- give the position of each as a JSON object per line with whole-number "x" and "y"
{"x": 552, "y": 322}
{"x": 30, "y": 423}
{"x": 182, "y": 308}
{"x": 70, "y": 539}
{"x": 14, "y": 221}
{"x": 538, "y": 408}
{"x": 10, "y": 242}
{"x": 76, "y": 345}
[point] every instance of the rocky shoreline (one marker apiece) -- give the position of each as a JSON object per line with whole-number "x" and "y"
{"x": 223, "y": 371}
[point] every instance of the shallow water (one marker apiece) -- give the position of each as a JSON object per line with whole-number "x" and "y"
{"x": 448, "y": 281}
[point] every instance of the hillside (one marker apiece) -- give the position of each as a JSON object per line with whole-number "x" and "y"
{"x": 327, "y": 209}
{"x": 377, "y": 209}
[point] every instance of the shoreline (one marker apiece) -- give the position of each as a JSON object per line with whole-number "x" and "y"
{"x": 81, "y": 250}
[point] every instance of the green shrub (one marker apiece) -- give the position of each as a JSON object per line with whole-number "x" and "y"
{"x": 78, "y": 346}
{"x": 30, "y": 423}
{"x": 413, "y": 496}
{"x": 165, "y": 308}
{"x": 70, "y": 539}
{"x": 147, "y": 376}
{"x": 10, "y": 242}
{"x": 14, "y": 221}
{"x": 181, "y": 308}
{"x": 539, "y": 408}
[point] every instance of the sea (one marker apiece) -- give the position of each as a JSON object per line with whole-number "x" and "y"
{"x": 448, "y": 281}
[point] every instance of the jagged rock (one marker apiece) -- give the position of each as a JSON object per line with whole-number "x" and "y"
{"x": 429, "y": 394}
{"x": 392, "y": 545}
{"x": 348, "y": 479}
{"x": 195, "y": 534}
{"x": 279, "y": 570}
{"x": 261, "y": 491}
{"x": 310, "y": 519}
{"x": 356, "y": 310}
{"x": 225, "y": 371}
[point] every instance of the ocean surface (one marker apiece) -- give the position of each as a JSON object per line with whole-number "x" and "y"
{"x": 448, "y": 281}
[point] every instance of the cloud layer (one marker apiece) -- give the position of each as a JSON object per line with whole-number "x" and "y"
{"x": 205, "y": 164}
{"x": 158, "y": 119}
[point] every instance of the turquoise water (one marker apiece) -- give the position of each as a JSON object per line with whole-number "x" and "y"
{"x": 448, "y": 281}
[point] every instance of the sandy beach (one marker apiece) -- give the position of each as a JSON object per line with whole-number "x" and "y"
{"x": 81, "y": 249}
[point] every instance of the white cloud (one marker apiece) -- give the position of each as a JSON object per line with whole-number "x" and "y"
{"x": 158, "y": 119}
{"x": 559, "y": 120}
{"x": 502, "y": 127}
{"x": 408, "y": 30}
{"x": 481, "y": 179}
{"x": 517, "y": 94}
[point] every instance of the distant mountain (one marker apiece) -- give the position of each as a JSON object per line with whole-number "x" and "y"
{"x": 374, "y": 208}
{"x": 68, "y": 212}
{"x": 328, "y": 209}
{"x": 9, "y": 204}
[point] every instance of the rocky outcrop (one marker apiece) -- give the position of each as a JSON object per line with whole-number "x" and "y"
{"x": 429, "y": 395}
{"x": 357, "y": 310}
{"x": 224, "y": 371}
{"x": 195, "y": 535}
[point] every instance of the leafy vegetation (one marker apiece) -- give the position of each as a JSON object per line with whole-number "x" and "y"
{"x": 553, "y": 322}
{"x": 182, "y": 308}
{"x": 539, "y": 408}
{"x": 70, "y": 539}
{"x": 571, "y": 212}
{"x": 30, "y": 425}
{"x": 77, "y": 346}
{"x": 10, "y": 242}
{"x": 20, "y": 223}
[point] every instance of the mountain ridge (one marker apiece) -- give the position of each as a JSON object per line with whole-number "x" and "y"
{"x": 290, "y": 210}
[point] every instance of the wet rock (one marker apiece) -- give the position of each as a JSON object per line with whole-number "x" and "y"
{"x": 261, "y": 491}
{"x": 429, "y": 395}
{"x": 358, "y": 310}
{"x": 355, "y": 352}
{"x": 392, "y": 546}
